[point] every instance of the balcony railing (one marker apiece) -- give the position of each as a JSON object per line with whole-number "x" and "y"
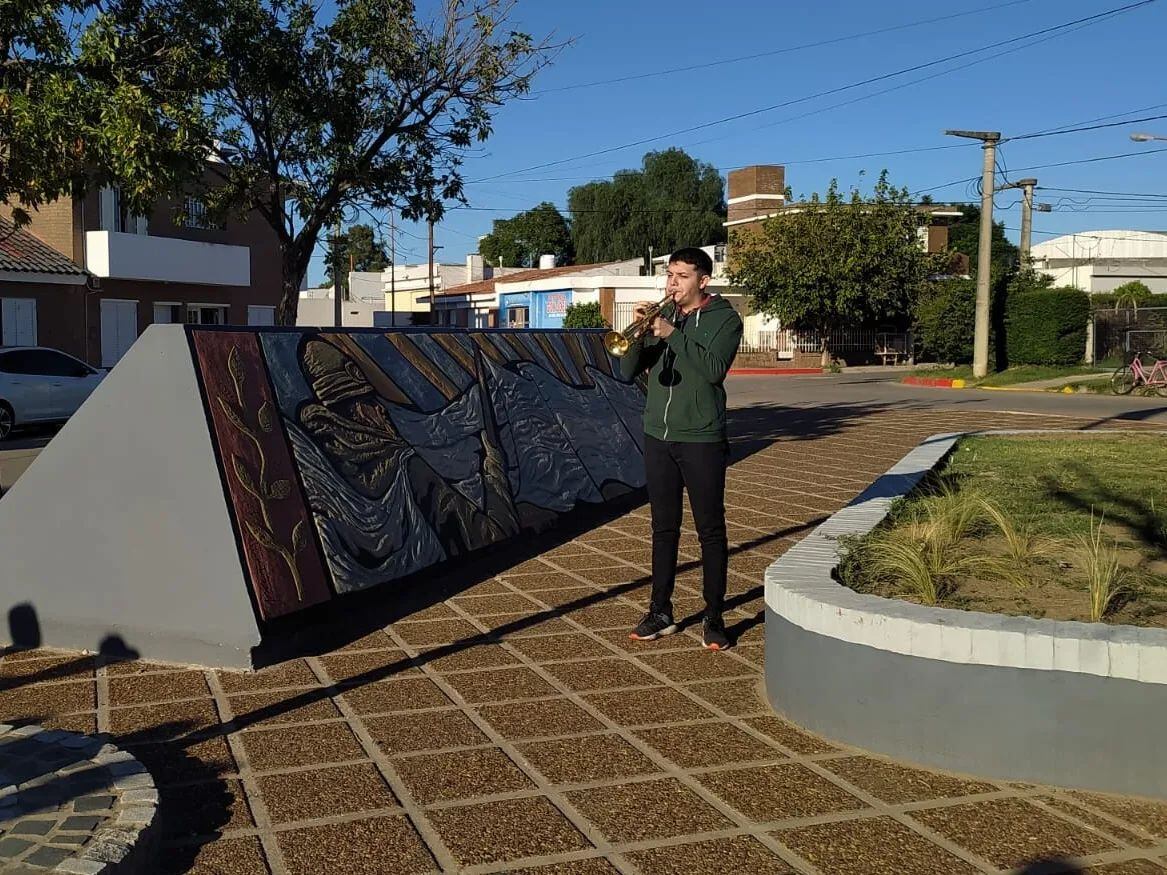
{"x": 112, "y": 255}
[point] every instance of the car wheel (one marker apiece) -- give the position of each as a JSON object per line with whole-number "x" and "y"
{"x": 7, "y": 420}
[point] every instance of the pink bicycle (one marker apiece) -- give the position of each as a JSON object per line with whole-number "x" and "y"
{"x": 1129, "y": 377}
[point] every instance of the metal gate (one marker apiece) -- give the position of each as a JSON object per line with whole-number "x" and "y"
{"x": 1118, "y": 334}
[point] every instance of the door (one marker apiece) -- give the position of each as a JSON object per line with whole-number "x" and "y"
{"x": 17, "y": 322}
{"x": 30, "y": 393}
{"x": 166, "y": 314}
{"x": 71, "y": 381}
{"x": 119, "y": 330}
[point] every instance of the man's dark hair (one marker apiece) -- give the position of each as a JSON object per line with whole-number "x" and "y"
{"x": 697, "y": 257}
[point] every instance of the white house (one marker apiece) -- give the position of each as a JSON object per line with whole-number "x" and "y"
{"x": 1100, "y": 261}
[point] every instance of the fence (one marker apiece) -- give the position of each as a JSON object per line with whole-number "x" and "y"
{"x": 1119, "y": 333}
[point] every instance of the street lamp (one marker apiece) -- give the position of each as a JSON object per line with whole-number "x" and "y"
{"x": 1146, "y": 138}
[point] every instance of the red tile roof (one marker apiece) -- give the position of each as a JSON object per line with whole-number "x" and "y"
{"x": 21, "y": 252}
{"x": 483, "y": 286}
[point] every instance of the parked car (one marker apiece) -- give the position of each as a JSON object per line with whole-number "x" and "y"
{"x": 41, "y": 385}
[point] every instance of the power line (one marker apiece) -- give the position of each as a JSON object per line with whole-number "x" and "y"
{"x": 1096, "y": 191}
{"x": 788, "y": 50}
{"x": 869, "y": 81}
{"x": 1055, "y": 133}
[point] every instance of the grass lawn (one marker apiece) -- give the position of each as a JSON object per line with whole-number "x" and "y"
{"x": 1054, "y": 497}
{"x": 1010, "y": 376}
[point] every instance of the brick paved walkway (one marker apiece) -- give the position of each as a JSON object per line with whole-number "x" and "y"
{"x": 513, "y": 727}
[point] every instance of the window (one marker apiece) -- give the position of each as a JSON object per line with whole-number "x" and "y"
{"x": 206, "y": 314}
{"x": 18, "y": 322}
{"x": 43, "y": 362}
{"x": 167, "y": 314}
{"x": 115, "y": 215}
{"x": 518, "y": 317}
{"x": 195, "y": 216}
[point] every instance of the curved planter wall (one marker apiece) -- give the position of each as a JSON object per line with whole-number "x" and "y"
{"x": 1073, "y": 704}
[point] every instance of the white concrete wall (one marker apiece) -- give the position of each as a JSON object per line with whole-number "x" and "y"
{"x": 166, "y": 259}
{"x": 318, "y": 312}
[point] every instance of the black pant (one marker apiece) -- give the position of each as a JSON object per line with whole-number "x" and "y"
{"x": 700, "y": 467}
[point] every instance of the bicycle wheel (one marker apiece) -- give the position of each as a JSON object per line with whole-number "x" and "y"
{"x": 1123, "y": 381}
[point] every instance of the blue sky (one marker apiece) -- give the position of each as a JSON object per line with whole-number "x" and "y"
{"x": 1113, "y": 68}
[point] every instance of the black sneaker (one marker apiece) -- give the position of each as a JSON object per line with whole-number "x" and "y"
{"x": 653, "y": 626}
{"x": 713, "y": 636}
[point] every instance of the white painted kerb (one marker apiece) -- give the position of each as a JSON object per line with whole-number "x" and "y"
{"x": 800, "y": 589}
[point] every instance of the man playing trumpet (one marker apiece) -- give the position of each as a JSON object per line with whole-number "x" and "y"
{"x": 685, "y": 445}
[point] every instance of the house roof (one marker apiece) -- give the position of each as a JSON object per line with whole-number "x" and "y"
{"x": 485, "y": 286}
{"x": 21, "y": 252}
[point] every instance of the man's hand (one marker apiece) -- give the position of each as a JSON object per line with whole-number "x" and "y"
{"x": 641, "y": 308}
{"x": 662, "y": 327}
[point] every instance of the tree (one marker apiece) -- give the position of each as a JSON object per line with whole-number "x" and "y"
{"x": 671, "y": 202}
{"x": 835, "y": 261}
{"x": 356, "y": 247}
{"x": 964, "y": 235}
{"x": 519, "y": 241}
{"x": 1132, "y": 294}
{"x": 95, "y": 93}
{"x": 584, "y": 316}
{"x": 321, "y": 109}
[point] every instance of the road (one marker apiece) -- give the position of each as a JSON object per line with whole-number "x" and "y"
{"x": 882, "y": 391}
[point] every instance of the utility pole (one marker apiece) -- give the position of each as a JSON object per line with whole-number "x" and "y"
{"x": 1027, "y": 207}
{"x": 392, "y": 270}
{"x": 431, "y": 257}
{"x": 984, "y": 252}
{"x": 337, "y": 309}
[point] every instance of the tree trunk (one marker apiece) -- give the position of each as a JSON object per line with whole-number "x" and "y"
{"x": 825, "y": 360}
{"x": 290, "y": 287}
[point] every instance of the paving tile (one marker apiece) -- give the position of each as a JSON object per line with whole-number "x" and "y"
{"x": 289, "y": 674}
{"x": 589, "y": 758}
{"x": 359, "y": 847}
{"x": 438, "y": 611}
{"x": 554, "y": 648}
{"x": 489, "y": 586}
{"x": 594, "y": 866}
{"x": 648, "y": 706}
{"x": 164, "y": 721}
{"x": 753, "y": 653}
{"x": 779, "y": 792}
{"x": 369, "y": 666}
{"x": 467, "y": 658}
{"x": 485, "y": 606}
{"x": 538, "y": 719}
{"x": 325, "y": 792}
{"x": 897, "y": 784}
{"x": 697, "y": 665}
{"x": 495, "y": 832}
{"x": 879, "y": 846}
{"x": 439, "y": 632}
{"x": 203, "y": 809}
{"x": 224, "y": 857}
{"x": 423, "y": 730}
{"x": 1011, "y": 832}
{"x": 31, "y": 669}
{"x": 540, "y": 584}
{"x": 301, "y": 746}
{"x": 789, "y": 735}
{"x": 499, "y": 685}
{"x": 1149, "y": 816}
{"x": 375, "y": 640}
{"x": 569, "y": 597}
{"x": 529, "y": 566}
{"x": 708, "y": 744}
{"x": 647, "y": 810}
{"x": 446, "y": 777}
{"x": 620, "y": 638}
{"x": 146, "y": 688}
{"x": 289, "y": 706}
{"x": 512, "y": 626}
{"x": 736, "y": 698}
{"x": 607, "y": 616}
{"x": 741, "y": 854}
{"x": 1130, "y": 867}
{"x": 85, "y": 724}
{"x": 189, "y": 761}
{"x": 1130, "y": 837}
{"x": 600, "y": 674}
{"x": 406, "y": 694}
{"x": 42, "y": 699}
{"x": 582, "y": 562}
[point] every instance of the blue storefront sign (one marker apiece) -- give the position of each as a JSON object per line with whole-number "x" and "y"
{"x": 514, "y": 310}
{"x": 549, "y": 308}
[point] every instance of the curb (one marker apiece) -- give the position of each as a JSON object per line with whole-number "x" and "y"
{"x": 935, "y": 382}
{"x": 773, "y": 372}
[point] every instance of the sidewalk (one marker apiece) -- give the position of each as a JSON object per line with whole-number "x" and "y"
{"x": 513, "y": 727}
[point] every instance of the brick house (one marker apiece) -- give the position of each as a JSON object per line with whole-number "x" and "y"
{"x": 129, "y": 272}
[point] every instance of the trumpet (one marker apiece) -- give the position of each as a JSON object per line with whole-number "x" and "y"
{"x": 617, "y": 343}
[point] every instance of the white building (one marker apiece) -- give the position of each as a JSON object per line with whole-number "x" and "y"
{"x": 1100, "y": 261}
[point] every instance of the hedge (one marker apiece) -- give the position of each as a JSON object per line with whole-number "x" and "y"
{"x": 944, "y": 322}
{"x": 1105, "y": 301}
{"x": 1047, "y": 326}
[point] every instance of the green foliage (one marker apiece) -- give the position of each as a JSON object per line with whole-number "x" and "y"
{"x": 519, "y": 241}
{"x": 944, "y": 321}
{"x": 584, "y": 316}
{"x": 964, "y": 235}
{"x": 356, "y": 246}
{"x": 837, "y": 261}
{"x": 97, "y": 93}
{"x": 671, "y": 202}
{"x": 1110, "y": 301}
{"x": 1133, "y": 294}
{"x": 1047, "y": 326}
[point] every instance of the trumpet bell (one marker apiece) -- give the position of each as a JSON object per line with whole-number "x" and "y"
{"x": 616, "y": 343}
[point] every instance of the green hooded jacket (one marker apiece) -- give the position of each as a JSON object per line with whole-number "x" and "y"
{"x": 686, "y": 374}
